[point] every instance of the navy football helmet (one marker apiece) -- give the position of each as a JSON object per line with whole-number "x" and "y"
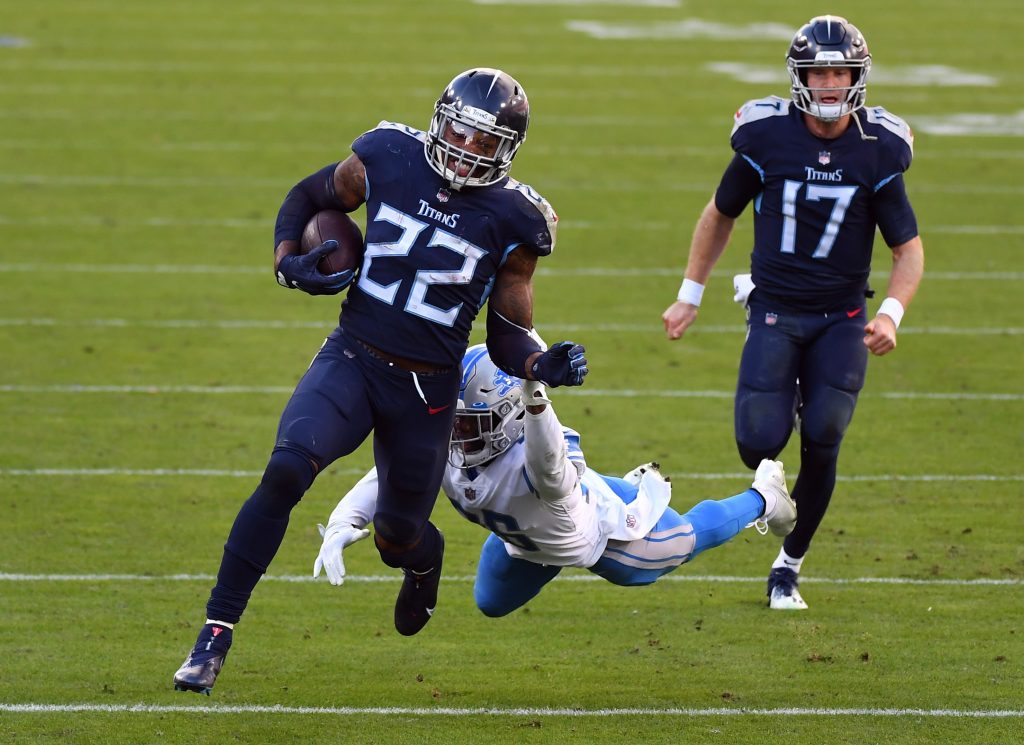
{"x": 489, "y": 417}
{"x": 828, "y": 41}
{"x": 487, "y": 108}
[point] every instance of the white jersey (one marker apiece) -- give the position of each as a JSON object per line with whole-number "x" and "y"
{"x": 540, "y": 498}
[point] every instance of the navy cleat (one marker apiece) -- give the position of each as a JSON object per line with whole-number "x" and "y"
{"x": 418, "y": 597}
{"x": 782, "y": 592}
{"x": 199, "y": 671}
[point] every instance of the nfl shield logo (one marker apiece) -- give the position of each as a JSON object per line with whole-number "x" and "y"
{"x": 770, "y": 319}
{"x": 824, "y": 157}
{"x": 470, "y": 495}
{"x": 443, "y": 195}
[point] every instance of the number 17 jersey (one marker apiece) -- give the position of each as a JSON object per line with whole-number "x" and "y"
{"x": 817, "y": 201}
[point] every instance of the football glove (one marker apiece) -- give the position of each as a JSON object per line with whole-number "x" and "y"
{"x": 743, "y": 285}
{"x": 563, "y": 364}
{"x": 301, "y": 272}
{"x": 330, "y": 558}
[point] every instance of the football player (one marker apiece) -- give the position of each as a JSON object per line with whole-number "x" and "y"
{"x": 823, "y": 171}
{"x": 516, "y": 471}
{"x": 447, "y": 230}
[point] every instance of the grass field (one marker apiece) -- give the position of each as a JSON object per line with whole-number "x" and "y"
{"x": 147, "y": 351}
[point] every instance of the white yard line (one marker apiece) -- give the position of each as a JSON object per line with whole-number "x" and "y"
{"x": 391, "y": 578}
{"x": 441, "y": 711}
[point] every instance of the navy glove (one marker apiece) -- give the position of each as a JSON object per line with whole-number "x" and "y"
{"x": 563, "y": 364}
{"x": 301, "y": 272}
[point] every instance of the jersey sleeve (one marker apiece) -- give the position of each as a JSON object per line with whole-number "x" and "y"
{"x": 741, "y": 183}
{"x": 372, "y": 147}
{"x": 534, "y": 219}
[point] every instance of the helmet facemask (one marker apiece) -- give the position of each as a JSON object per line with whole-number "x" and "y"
{"x": 851, "y": 98}
{"x": 462, "y": 167}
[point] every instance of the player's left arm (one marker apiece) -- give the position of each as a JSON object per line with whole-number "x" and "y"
{"x": 509, "y": 320}
{"x": 907, "y": 271}
{"x": 548, "y": 467}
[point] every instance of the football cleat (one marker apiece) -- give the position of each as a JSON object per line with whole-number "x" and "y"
{"x": 199, "y": 671}
{"x": 779, "y": 508}
{"x": 634, "y": 476}
{"x": 782, "y": 591}
{"x": 418, "y": 597}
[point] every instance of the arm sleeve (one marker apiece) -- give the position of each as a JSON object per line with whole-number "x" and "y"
{"x": 896, "y": 219}
{"x": 740, "y": 183}
{"x": 306, "y": 198}
{"x": 357, "y": 507}
{"x": 548, "y": 468}
{"x": 509, "y": 344}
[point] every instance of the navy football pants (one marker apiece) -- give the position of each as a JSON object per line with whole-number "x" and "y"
{"x": 826, "y": 353}
{"x": 345, "y": 394}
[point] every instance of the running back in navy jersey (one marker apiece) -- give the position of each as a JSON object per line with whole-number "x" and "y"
{"x": 432, "y": 252}
{"x": 820, "y": 201}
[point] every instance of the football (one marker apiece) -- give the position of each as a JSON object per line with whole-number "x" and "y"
{"x": 334, "y": 225}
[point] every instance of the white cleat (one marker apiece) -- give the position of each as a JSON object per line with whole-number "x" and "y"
{"x": 779, "y": 508}
{"x": 782, "y": 590}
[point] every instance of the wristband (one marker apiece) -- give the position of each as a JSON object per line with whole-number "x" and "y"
{"x": 690, "y": 292}
{"x": 892, "y": 308}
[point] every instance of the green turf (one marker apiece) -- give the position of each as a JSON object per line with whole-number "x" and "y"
{"x": 144, "y": 150}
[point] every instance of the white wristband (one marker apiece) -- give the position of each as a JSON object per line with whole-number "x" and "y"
{"x": 690, "y": 292}
{"x": 892, "y": 308}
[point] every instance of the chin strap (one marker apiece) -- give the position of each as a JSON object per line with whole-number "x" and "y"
{"x": 861, "y": 128}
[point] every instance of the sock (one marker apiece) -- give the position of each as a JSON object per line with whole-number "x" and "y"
{"x": 788, "y": 562}
{"x": 225, "y": 624}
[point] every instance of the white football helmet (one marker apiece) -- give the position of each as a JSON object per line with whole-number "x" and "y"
{"x": 489, "y": 417}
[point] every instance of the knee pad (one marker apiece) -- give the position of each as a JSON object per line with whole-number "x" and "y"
{"x": 286, "y": 478}
{"x": 763, "y": 423}
{"x": 825, "y": 419}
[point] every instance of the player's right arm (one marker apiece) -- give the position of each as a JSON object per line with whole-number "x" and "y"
{"x": 337, "y": 186}
{"x": 710, "y": 237}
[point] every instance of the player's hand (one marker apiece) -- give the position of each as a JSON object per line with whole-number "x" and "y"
{"x": 678, "y": 317}
{"x": 301, "y": 272}
{"x": 564, "y": 363}
{"x": 880, "y": 335}
{"x": 330, "y": 558}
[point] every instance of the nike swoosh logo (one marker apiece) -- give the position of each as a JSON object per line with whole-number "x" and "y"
{"x": 430, "y": 611}
{"x": 852, "y": 313}
{"x": 431, "y": 410}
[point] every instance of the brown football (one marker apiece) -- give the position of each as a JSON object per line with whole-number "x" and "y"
{"x": 334, "y": 225}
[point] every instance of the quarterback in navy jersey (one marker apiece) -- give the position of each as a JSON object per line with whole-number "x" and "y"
{"x": 447, "y": 230}
{"x": 823, "y": 171}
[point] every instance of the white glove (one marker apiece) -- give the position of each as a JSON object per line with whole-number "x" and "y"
{"x": 335, "y": 542}
{"x": 743, "y": 285}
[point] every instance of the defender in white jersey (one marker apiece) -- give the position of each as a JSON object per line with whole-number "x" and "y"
{"x": 515, "y": 470}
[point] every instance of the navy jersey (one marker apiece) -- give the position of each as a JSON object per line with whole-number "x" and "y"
{"x": 432, "y": 253}
{"x": 817, "y": 202}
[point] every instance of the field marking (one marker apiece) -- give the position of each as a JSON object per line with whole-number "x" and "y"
{"x": 443, "y": 711}
{"x": 242, "y": 473}
{"x": 688, "y": 28}
{"x": 930, "y": 76}
{"x": 633, "y": 151}
{"x": 588, "y": 271}
{"x": 68, "y": 181}
{"x": 327, "y": 325}
{"x": 468, "y": 578}
{"x": 204, "y": 390}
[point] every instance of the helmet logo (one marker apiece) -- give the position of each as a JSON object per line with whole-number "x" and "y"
{"x": 504, "y": 382}
{"x": 479, "y": 114}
